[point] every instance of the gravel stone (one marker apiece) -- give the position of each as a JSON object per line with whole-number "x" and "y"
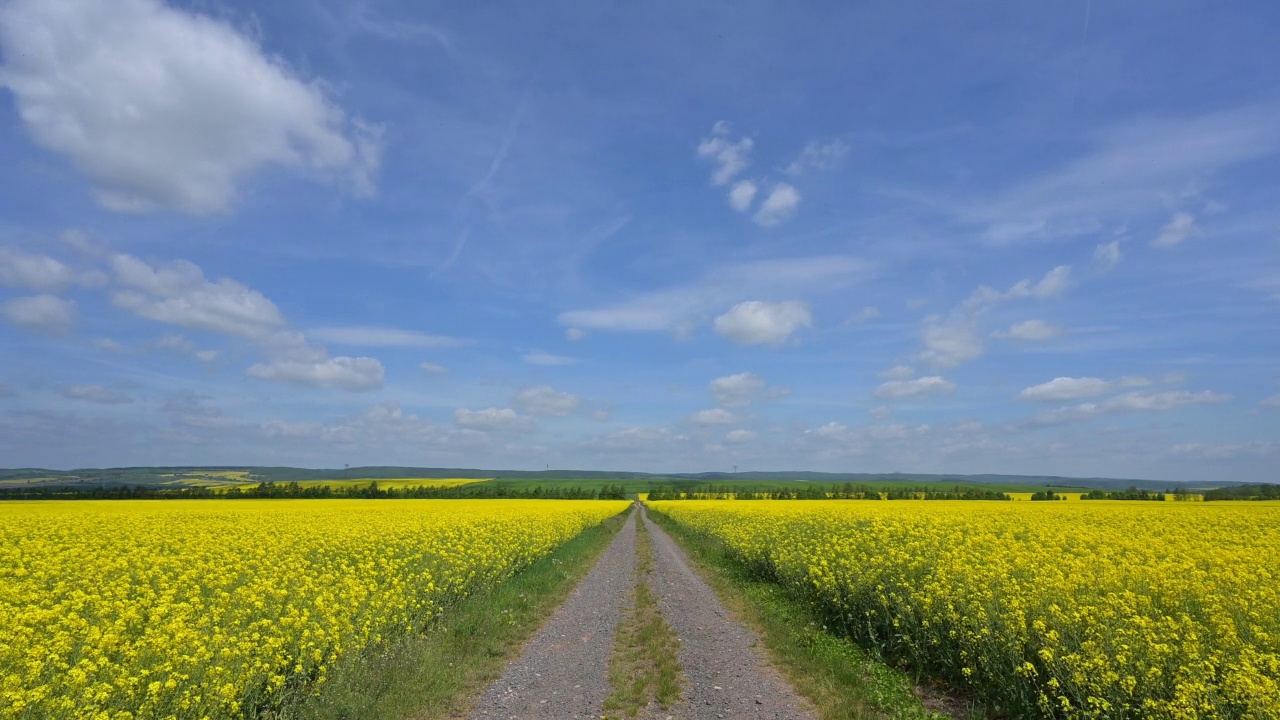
{"x": 563, "y": 672}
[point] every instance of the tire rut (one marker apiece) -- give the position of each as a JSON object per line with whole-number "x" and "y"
{"x": 562, "y": 673}
{"x": 726, "y": 675}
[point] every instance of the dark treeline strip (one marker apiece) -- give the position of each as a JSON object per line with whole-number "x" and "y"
{"x": 1244, "y": 492}
{"x": 848, "y": 491}
{"x": 475, "y": 491}
{"x": 1133, "y": 493}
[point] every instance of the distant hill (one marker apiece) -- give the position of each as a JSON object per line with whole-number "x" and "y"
{"x": 204, "y": 475}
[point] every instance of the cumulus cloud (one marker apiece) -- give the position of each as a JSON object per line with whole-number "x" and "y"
{"x": 382, "y": 337}
{"x": 346, "y": 373}
{"x": 1179, "y": 228}
{"x": 492, "y": 420}
{"x": 537, "y": 357}
{"x": 1072, "y": 388}
{"x": 40, "y": 273}
{"x": 1032, "y": 330}
{"x": 713, "y": 416}
{"x": 177, "y": 293}
{"x": 742, "y": 194}
{"x": 434, "y": 369}
{"x": 778, "y": 206}
{"x": 43, "y": 313}
{"x": 897, "y": 372}
{"x": 951, "y": 341}
{"x": 728, "y": 157}
{"x": 743, "y": 389}
{"x": 737, "y": 437}
{"x": 1139, "y": 401}
{"x": 1107, "y": 255}
{"x": 1054, "y": 283}
{"x": 930, "y": 385}
{"x": 546, "y": 401}
{"x": 763, "y": 323}
{"x": 818, "y": 156}
{"x": 95, "y": 394}
{"x": 160, "y": 107}
{"x": 637, "y": 439}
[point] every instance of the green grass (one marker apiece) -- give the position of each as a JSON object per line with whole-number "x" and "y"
{"x": 431, "y": 675}
{"x": 644, "y": 668}
{"x": 841, "y": 679}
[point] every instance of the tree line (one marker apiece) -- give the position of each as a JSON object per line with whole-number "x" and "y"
{"x": 848, "y": 491}
{"x": 371, "y": 491}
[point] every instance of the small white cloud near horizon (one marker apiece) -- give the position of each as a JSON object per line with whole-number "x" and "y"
{"x": 492, "y": 419}
{"x": 757, "y": 322}
{"x": 713, "y": 416}
{"x": 1032, "y": 331}
{"x": 41, "y": 313}
{"x": 920, "y": 387}
{"x": 546, "y": 401}
{"x": 1180, "y": 227}
{"x": 433, "y": 368}
{"x": 206, "y": 105}
{"x": 737, "y": 437}
{"x": 365, "y": 336}
{"x": 1138, "y": 401}
{"x": 1073, "y": 388}
{"x": 537, "y": 357}
{"x": 1107, "y": 255}
{"x": 346, "y": 373}
{"x": 778, "y": 206}
{"x": 742, "y": 389}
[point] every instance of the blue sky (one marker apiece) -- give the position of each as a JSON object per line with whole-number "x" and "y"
{"x": 1016, "y": 238}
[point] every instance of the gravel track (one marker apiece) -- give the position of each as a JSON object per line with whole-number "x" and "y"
{"x": 726, "y": 676}
{"x": 563, "y": 671}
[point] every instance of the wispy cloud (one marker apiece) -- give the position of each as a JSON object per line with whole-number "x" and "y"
{"x": 360, "y": 336}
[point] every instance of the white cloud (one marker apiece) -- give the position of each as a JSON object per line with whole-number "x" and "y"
{"x": 206, "y": 356}
{"x": 1227, "y": 451}
{"x": 1070, "y": 388}
{"x": 537, "y": 357}
{"x": 546, "y": 401}
{"x": 867, "y": 313}
{"x": 741, "y": 195}
{"x": 1131, "y": 402}
{"x": 177, "y": 293}
{"x": 763, "y": 323}
{"x": 1054, "y": 283}
{"x": 637, "y": 439}
{"x": 492, "y": 420}
{"x": 1273, "y": 401}
{"x": 34, "y": 272}
{"x": 778, "y": 207}
{"x": 346, "y": 373}
{"x": 930, "y": 385}
{"x": 713, "y": 416}
{"x": 1032, "y": 330}
{"x": 728, "y": 158}
{"x": 160, "y": 107}
{"x": 881, "y": 412}
{"x": 743, "y": 389}
{"x": 1107, "y": 255}
{"x": 738, "y": 437}
{"x": 95, "y": 394}
{"x": 44, "y": 313}
{"x": 951, "y": 341}
{"x": 897, "y": 372}
{"x": 434, "y": 369}
{"x": 1179, "y": 228}
{"x": 575, "y": 334}
{"x": 688, "y": 305}
{"x": 382, "y": 337}
{"x": 108, "y": 345}
{"x": 818, "y": 156}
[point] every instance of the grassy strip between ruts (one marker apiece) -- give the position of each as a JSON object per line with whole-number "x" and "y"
{"x": 645, "y": 667}
{"x": 842, "y": 680}
{"x": 435, "y": 674}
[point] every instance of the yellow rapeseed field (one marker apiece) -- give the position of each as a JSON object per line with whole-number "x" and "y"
{"x": 210, "y": 608}
{"x": 1097, "y": 609}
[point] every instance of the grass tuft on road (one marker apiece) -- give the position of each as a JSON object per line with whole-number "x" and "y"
{"x": 437, "y": 673}
{"x": 645, "y": 666}
{"x": 842, "y": 680}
